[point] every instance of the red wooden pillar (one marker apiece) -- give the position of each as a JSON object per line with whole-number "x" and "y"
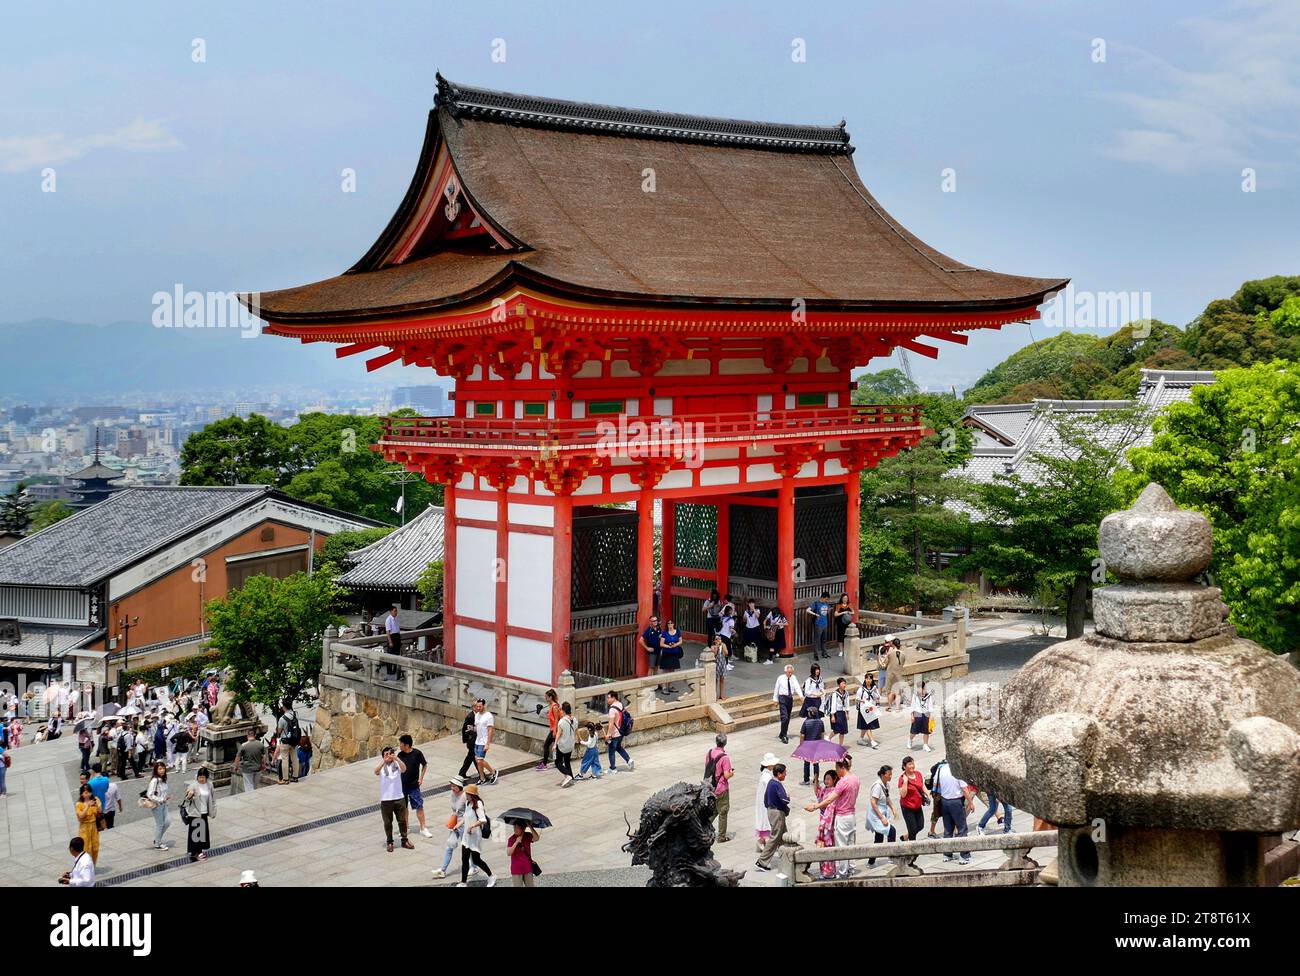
{"x": 852, "y": 547}
{"x": 722, "y": 561}
{"x": 785, "y": 554}
{"x": 502, "y": 570}
{"x": 449, "y": 573}
{"x": 667, "y": 557}
{"x": 561, "y": 585}
{"x": 645, "y": 570}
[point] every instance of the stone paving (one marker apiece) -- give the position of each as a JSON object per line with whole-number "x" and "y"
{"x": 584, "y": 844}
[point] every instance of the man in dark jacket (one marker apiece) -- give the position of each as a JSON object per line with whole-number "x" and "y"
{"x": 467, "y": 733}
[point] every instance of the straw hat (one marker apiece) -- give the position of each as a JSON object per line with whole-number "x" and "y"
{"x": 769, "y": 761}
{"x": 472, "y": 789}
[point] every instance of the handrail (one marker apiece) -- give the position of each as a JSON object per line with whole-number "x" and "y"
{"x": 590, "y": 430}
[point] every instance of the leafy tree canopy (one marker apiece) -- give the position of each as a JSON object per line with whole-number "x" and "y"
{"x": 269, "y": 632}
{"x": 1233, "y": 453}
{"x": 46, "y": 514}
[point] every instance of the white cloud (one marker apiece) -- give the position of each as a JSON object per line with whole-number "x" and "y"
{"x": 18, "y": 153}
{"x": 1239, "y": 108}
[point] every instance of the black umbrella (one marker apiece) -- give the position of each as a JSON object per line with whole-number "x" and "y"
{"x": 530, "y": 818}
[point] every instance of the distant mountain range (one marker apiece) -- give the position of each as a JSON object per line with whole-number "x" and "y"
{"x": 48, "y": 357}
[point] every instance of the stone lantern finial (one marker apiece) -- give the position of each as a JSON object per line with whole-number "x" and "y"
{"x": 1178, "y": 737}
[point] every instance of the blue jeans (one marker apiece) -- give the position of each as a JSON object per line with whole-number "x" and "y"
{"x": 992, "y": 811}
{"x": 590, "y": 762}
{"x": 304, "y": 764}
{"x": 453, "y": 842}
{"x": 616, "y": 746}
{"x": 162, "y": 818}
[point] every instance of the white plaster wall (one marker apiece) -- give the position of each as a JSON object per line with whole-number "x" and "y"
{"x": 590, "y": 370}
{"x": 719, "y": 476}
{"x": 685, "y": 367}
{"x": 620, "y": 368}
{"x": 529, "y": 568}
{"x": 579, "y": 410}
{"x": 476, "y": 553}
{"x": 760, "y": 472}
{"x": 809, "y": 470}
{"x": 741, "y": 367}
{"x": 590, "y": 486}
{"x": 764, "y": 402}
{"x": 522, "y": 514}
{"x": 477, "y": 648}
{"x": 835, "y": 466}
{"x": 476, "y": 508}
{"x": 529, "y": 659}
{"x": 467, "y": 482}
{"x": 621, "y": 482}
{"x": 663, "y": 406}
{"x": 678, "y": 478}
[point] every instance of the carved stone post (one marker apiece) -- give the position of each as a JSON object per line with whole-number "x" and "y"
{"x": 708, "y": 680}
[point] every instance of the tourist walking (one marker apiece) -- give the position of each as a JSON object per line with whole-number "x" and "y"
{"x": 414, "y": 766}
{"x": 992, "y": 811}
{"x": 287, "y": 734}
{"x": 670, "y": 651}
{"x": 197, "y": 810}
{"x": 774, "y": 627}
{"x": 4, "y": 770}
{"x": 956, "y": 797}
{"x": 468, "y": 734}
{"x": 880, "y": 813}
{"x": 250, "y": 758}
{"x": 712, "y": 615}
{"x": 566, "y": 737}
{"x": 922, "y": 706}
{"x": 718, "y": 773}
{"x": 844, "y": 800}
{"x": 484, "y": 730}
{"x": 392, "y": 798}
{"x": 520, "y": 848}
{"x": 787, "y": 687}
{"x": 112, "y": 805}
{"x": 475, "y": 826}
{"x": 85, "y": 743}
{"x": 98, "y": 784}
{"x": 892, "y": 676}
{"x": 156, "y": 797}
{"x": 304, "y": 756}
{"x": 814, "y": 690}
{"x": 452, "y": 844}
{"x": 913, "y": 797}
{"x": 619, "y": 724}
{"x": 777, "y": 802}
{"x": 820, "y": 611}
{"x": 89, "y": 817}
{"x": 839, "y": 709}
{"x": 826, "y": 820}
{"x": 180, "y": 746}
{"x": 648, "y": 642}
{"x": 552, "y": 719}
{"x": 813, "y": 728}
{"x": 867, "y": 700}
{"x": 752, "y": 620}
{"x": 82, "y": 874}
{"x": 721, "y": 662}
{"x": 589, "y": 743}
{"x": 762, "y": 829}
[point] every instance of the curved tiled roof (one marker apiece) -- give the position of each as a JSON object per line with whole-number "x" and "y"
{"x": 742, "y": 214}
{"x": 396, "y": 561}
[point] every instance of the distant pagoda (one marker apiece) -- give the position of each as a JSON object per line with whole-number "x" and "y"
{"x": 96, "y": 481}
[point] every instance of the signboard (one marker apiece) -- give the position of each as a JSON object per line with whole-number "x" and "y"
{"x": 92, "y": 670}
{"x": 166, "y": 672}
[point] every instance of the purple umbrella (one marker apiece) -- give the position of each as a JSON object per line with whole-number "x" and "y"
{"x": 819, "y": 750}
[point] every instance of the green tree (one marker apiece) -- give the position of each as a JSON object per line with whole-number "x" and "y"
{"x": 47, "y": 513}
{"x": 907, "y": 518}
{"x": 429, "y": 585}
{"x": 269, "y": 632}
{"x": 886, "y": 386}
{"x": 1039, "y": 530}
{"x": 1233, "y": 453}
{"x": 234, "y": 451}
{"x": 15, "y": 512}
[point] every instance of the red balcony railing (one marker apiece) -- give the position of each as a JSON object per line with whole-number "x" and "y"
{"x": 590, "y": 433}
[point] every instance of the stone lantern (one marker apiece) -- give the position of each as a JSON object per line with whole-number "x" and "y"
{"x": 1165, "y": 748}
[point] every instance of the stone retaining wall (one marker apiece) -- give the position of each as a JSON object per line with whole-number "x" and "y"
{"x": 351, "y": 726}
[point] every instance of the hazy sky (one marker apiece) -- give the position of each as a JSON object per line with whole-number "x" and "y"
{"x": 1124, "y": 174}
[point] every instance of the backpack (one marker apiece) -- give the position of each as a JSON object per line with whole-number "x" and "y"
{"x": 486, "y": 829}
{"x": 711, "y": 768}
{"x": 624, "y": 721}
{"x": 932, "y": 781}
{"x": 292, "y": 734}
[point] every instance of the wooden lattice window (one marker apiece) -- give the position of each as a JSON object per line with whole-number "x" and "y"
{"x": 604, "y": 558}
{"x": 695, "y": 536}
{"x": 819, "y": 534}
{"x": 753, "y": 542}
